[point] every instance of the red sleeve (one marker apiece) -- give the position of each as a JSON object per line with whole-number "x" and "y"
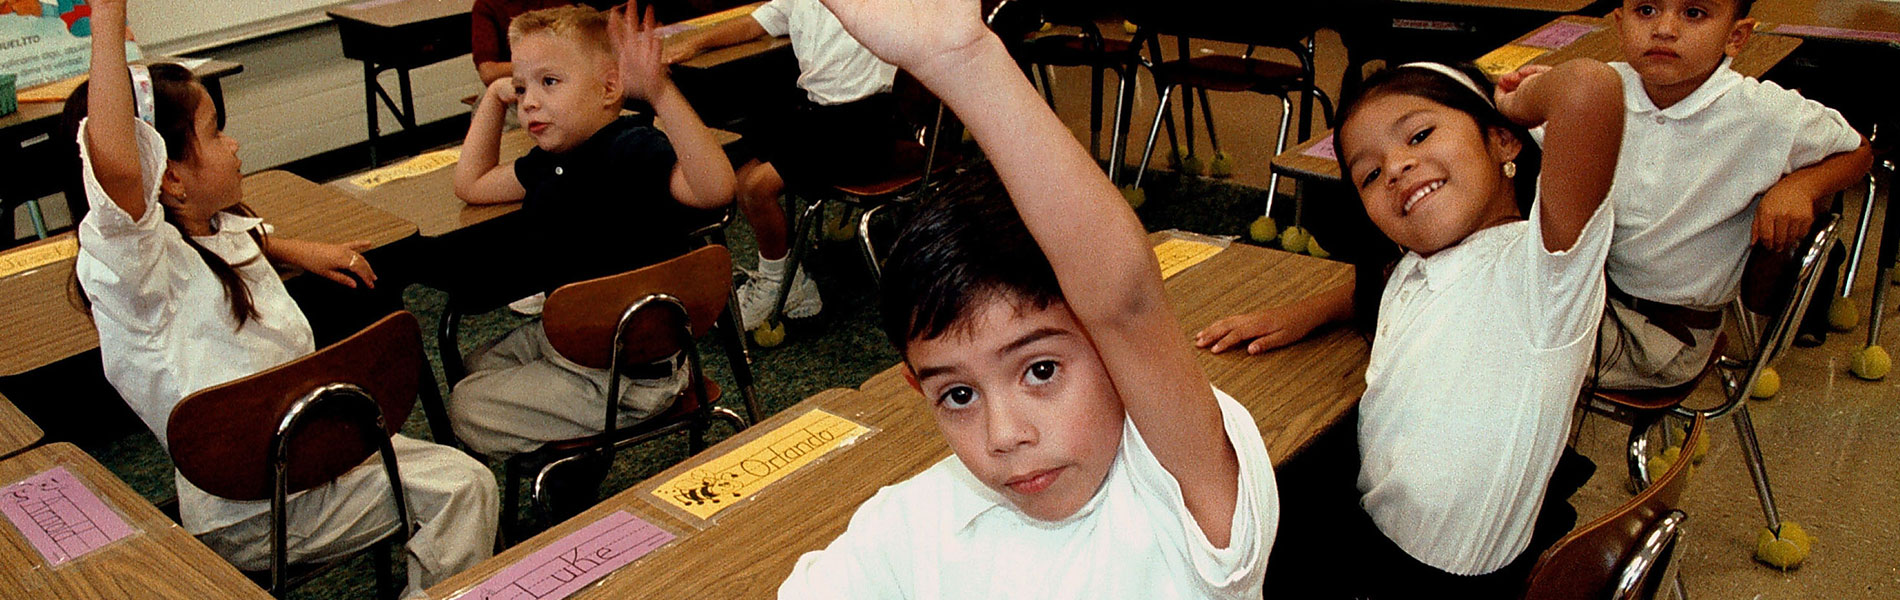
{"x": 488, "y": 33}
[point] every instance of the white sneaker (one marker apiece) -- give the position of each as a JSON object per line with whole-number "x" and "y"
{"x": 759, "y": 292}
{"x": 529, "y": 306}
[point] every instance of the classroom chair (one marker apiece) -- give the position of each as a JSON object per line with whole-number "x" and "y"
{"x": 1088, "y": 48}
{"x": 1626, "y": 554}
{"x": 919, "y": 159}
{"x": 1288, "y": 28}
{"x": 621, "y": 321}
{"x": 305, "y": 423}
{"x": 1776, "y": 286}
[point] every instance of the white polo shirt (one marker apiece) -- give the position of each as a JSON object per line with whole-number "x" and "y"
{"x": 1689, "y": 175}
{"x": 833, "y": 68}
{"x": 1475, "y": 367}
{"x": 943, "y": 534}
{"x": 165, "y": 325}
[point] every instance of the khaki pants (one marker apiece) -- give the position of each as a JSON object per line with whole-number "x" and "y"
{"x": 451, "y": 496}
{"x": 1635, "y": 354}
{"x": 520, "y": 394}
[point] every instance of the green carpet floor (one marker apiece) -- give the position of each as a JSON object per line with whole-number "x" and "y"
{"x": 839, "y": 348}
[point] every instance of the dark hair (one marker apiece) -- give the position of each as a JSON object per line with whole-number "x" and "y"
{"x": 175, "y": 100}
{"x": 1742, "y": 8}
{"x": 965, "y": 246}
{"x": 1371, "y": 268}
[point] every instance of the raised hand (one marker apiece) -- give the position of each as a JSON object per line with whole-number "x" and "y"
{"x": 913, "y": 34}
{"x": 638, "y": 54}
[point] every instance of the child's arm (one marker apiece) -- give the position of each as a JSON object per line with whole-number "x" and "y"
{"x": 1100, "y": 253}
{"x": 1580, "y": 104}
{"x": 1280, "y": 325}
{"x": 730, "y": 32}
{"x": 702, "y": 176}
{"x": 479, "y": 179}
{"x": 110, "y": 118}
{"x": 1788, "y": 208}
{"x": 341, "y": 263}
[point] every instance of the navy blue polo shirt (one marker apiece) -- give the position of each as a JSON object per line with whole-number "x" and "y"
{"x": 604, "y": 206}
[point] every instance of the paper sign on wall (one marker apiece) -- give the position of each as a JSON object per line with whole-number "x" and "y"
{"x": 45, "y": 41}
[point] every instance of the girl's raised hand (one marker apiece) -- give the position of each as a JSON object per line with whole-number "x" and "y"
{"x": 913, "y": 34}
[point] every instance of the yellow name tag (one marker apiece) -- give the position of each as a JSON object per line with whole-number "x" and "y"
{"x": 27, "y": 259}
{"x": 1177, "y": 255}
{"x": 744, "y": 471}
{"x": 409, "y": 168}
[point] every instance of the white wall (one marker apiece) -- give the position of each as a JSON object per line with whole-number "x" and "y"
{"x": 298, "y": 96}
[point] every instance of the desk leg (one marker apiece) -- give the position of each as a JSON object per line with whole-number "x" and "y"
{"x": 370, "y": 87}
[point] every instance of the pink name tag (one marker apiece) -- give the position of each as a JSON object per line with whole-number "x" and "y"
{"x": 1323, "y": 149}
{"x": 573, "y": 562}
{"x": 61, "y": 516}
{"x": 1836, "y": 32}
{"x": 1557, "y": 35}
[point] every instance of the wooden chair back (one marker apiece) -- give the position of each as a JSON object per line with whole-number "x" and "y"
{"x": 581, "y": 318}
{"x": 1596, "y": 560}
{"x": 220, "y": 437}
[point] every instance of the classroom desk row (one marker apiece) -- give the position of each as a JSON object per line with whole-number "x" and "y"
{"x": 746, "y": 550}
{"x": 1574, "y": 37}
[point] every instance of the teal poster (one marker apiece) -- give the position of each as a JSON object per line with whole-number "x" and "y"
{"x": 42, "y": 41}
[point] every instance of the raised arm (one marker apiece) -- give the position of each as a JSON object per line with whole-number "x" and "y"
{"x": 1580, "y": 104}
{"x": 730, "y": 32}
{"x": 702, "y": 177}
{"x": 479, "y": 176}
{"x": 110, "y": 118}
{"x": 1100, "y": 253}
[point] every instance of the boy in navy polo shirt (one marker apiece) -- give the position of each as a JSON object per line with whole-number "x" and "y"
{"x": 602, "y": 193}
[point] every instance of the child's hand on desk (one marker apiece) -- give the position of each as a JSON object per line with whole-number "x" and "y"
{"x": 1267, "y": 329}
{"x": 341, "y": 263}
{"x": 1783, "y": 217}
{"x": 638, "y": 53}
{"x": 913, "y": 34}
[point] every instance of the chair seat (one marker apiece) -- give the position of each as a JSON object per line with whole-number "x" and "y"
{"x": 1224, "y": 73}
{"x": 1076, "y": 51}
{"x": 675, "y": 415}
{"x": 1664, "y": 398}
{"x": 909, "y": 160}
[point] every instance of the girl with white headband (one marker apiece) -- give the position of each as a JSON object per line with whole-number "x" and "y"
{"x": 178, "y": 276}
{"x": 1482, "y": 333}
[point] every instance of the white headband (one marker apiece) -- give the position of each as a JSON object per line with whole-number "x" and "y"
{"x": 1455, "y": 75}
{"x": 142, "y": 94}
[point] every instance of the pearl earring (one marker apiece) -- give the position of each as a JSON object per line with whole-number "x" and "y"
{"x": 1510, "y": 169}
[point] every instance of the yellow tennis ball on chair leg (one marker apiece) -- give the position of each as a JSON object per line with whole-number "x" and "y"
{"x": 1128, "y": 26}
{"x": 1193, "y": 165}
{"x": 770, "y": 334}
{"x": 1263, "y": 230}
{"x": 1842, "y": 315}
{"x": 1871, "y": 363}
{"x": 1313, "y": 249}
{"x": 1135, "y": 196}
{"x": 1293, "y": 239}
{"x": 1222, "y": 166}
{"x": 1767, "y": 385}
{"x": 1784, "y": 552}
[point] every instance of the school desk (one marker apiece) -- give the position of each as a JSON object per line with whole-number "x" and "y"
{"x": 17, "y": 432}
{"x": 1295, "y": 393}
{"x": 1761, "y": 53}
{"x": 157, "y": 560}
{"x": 399, "y": 35}
{"x": 40, "y": 314}
{"x": 1864, "y": 21}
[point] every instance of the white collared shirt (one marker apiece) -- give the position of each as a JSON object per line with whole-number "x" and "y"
{"x": 1479, "y": 354}
{"x": 943, "y": 534}
{"x": 165, "y": 325}
{"x": 833, "y": 68}
{"x": 1689, "y": 175}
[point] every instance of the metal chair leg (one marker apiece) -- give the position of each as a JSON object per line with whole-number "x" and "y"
{"x": 800, "y": 238}
{"x": 1118, "y": 138}
{"x": 1095, "y": 111}
{"x": 1147, "y": 152}
{"x": 1637, "y": 452}
{"x": 1279, "y": 145}
{"x": 1751, "y": 455}
{"x": 1207, "y": 118}
{"x": 39, "y": 220}
{"x": 1048, "y": 85}
{"x": 864, "y": 240}
{"x": 1860, "y": 239}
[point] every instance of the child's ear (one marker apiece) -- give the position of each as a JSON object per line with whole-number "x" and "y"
{"x": 1738, "y": 35}
{"x": 1502, "y": 144}
{"x": 171, "y": 185}
{"x": 610, "y": 86}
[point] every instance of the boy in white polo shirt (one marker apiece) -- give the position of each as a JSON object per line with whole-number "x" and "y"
{"x": 1092, "y": 458}
{"x": 842, "y": 132}
{"x": 1700, "y": 144}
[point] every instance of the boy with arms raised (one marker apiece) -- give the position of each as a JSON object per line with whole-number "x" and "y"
{"x": 1093, "y": 460}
